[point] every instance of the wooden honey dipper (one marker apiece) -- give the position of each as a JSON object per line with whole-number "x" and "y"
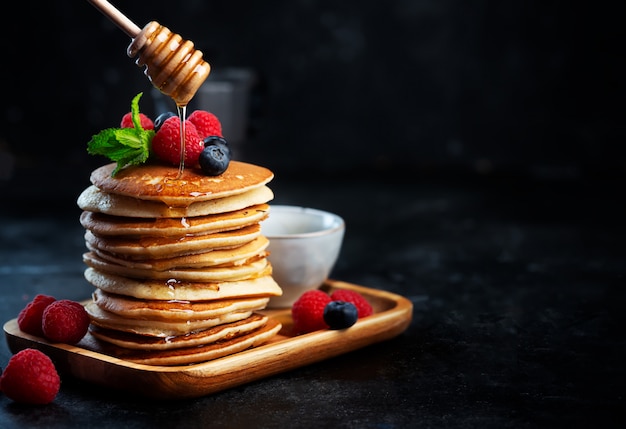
{"x": 172, "y": 64}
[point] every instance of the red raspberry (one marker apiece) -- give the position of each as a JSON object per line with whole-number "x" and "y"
{"x": 363, "y": 307}
{"x": 308, "y": 312}
{"x": 31, "y": 378}
{"x": 29, "y": 319}
{"x": 166, "y": 142}
{"x": 206, "y": 123}
{"x": 65, "y": 321}
{"x": 127, "y": 121}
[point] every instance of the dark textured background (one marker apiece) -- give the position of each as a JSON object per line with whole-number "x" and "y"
{"x": 506, "y": 117}
{"x": 428, "y": 87}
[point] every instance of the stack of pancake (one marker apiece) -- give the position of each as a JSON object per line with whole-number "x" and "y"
{"x": 179, "y": 264}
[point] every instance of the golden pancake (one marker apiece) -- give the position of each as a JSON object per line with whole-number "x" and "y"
{"x": 178, "y": 264}
{"x": 94, "y": 200}
{"x": 254, "y": 269}
{"x": 211, "y": 335}
{"x": 185, "y": 291}
{"x": 103, "y": 224}
{"x": 216, "y": 258}
{"x": 175, "y": 310}
{"x": 162, "y": 247}
{"x": 157, "y": 328}
{"x": 160, "y": 183}
{"x": 193, "y": 355}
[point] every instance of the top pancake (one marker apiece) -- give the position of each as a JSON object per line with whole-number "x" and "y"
{"x": 159, "y": 182}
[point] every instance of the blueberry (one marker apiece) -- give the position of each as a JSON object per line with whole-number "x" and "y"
{"x": 209, "y": 140}
{"x": 214, "y": 159}
{"x": 162, "y": 118}
{"x": 340, "y": 314}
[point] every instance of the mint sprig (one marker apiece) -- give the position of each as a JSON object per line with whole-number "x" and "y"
{"x": 126, "y": 146}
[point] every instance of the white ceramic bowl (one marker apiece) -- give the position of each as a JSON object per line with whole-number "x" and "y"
{"x": 304, "y": 247}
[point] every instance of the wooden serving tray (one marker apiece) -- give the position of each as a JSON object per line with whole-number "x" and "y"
{"x": 392, "y": 315}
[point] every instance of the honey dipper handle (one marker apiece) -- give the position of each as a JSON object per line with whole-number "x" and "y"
{"x": 117, "y": 17}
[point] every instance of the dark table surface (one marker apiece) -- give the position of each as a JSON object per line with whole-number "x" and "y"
{"x": 518, "y": 287}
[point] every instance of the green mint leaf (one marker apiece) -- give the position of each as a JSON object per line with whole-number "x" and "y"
{"x": 126, "y": 146}
{"x": 134, "y": 111}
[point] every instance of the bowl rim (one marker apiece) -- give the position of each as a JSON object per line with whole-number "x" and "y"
{"x": 341, "y": 224}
